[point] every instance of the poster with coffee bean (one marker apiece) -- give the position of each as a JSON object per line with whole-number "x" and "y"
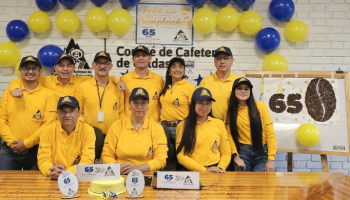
{"x": 321, "y": 99}
{"x": 303, "y": 100}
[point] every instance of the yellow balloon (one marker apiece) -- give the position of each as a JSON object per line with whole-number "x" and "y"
{"x": 296, "y": 31}
{"x": 204, "y": 20}
{"x": 275, "y": 62}
{"x": 67, "y": 22}
{"x": 39, "y": 21}
{"x": 17, "y": 72}
{"x": 96, "y": 19}
{"x": 228, "y": 18}
{"x": 9, "y": 54}
{"x": 120, "y": 21}
{"x": 308, "y": 134}
{"x": 250, "y": 22}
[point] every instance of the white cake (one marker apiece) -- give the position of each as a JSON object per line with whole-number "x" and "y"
{"x": 97, "y": 187}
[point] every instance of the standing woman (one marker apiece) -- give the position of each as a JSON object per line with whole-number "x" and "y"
{"x": 175, "y": 100}
{"x": 201, "y": 140}
{"x": 250, "y": 129}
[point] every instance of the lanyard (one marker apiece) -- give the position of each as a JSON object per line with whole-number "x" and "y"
{"x": 98, "y": 92}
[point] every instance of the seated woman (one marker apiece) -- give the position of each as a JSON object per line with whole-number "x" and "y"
{"x": 250, "y": 129}
{"x": 201, "y": 140}
{"x": 136, "y": 142}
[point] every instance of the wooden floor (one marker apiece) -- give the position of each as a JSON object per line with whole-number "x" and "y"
{"x": 231, "y": 185}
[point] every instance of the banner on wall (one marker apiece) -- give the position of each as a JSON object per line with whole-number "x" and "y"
{"x": 164, "y": 24}
{"x": 303, "y": 100}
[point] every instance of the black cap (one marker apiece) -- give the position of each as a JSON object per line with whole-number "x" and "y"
{"x": 103, "y": 54}
{"x": 202, "y": 93}
{"x": 138, "y": 92}
{"x": 241, "y": 80}
{"x": 223, "y": 50}
{"x": 30, "y": 59}
{"x": 140, "y": 48}
{"x": 69, "y": 101}
{"x": 64, "y": 56}
{"x": 177, "y": 58}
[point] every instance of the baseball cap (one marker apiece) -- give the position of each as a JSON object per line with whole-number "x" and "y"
{"x": 68, "y": 100}
{"x": 202, "y": 93}
{"x": 241, "y": 80}
{"x": 30, "y": 59}
{"x": 177, "y": 58}
{"x": 140, "y": 48}
{"x": 224, "y": 50}
{"x": 64, "y": 56}
{"x": 138, "y": 92}
{"x": 103, "y": 54}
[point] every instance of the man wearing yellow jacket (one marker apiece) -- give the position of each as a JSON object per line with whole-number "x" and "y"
{"x": 21, "y": 119}
{"x": 66, "y": 142}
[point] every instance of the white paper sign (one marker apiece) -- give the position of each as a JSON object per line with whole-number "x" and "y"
{"x": 102, "y": 172}
{"x": 68, "y": 183}
{"x": 135, "y": 182}
{"x": 190, "y": 69}
{"x": 178, "y": 180}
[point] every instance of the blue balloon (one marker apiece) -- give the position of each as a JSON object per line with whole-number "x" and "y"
{"x": 69, "y": 4}
{"x": 196, "y": 3}
{"x": 244, "y": 4}
{"x": 282, "y": 10}
{"x": 128, "y": 3}
{"x": 99, "y": 3}
{"x": 267, "y": 40}
{"x": 221, "y": 3}
{"x": 48, "y": 54}
{"x": 46, "y": 5}
{"x": 17, "y": 30}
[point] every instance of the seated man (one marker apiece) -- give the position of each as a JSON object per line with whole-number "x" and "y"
{"x": 66, "y": 142}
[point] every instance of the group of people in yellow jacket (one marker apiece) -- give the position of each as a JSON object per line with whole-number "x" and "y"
{"x": 138, "y": 121}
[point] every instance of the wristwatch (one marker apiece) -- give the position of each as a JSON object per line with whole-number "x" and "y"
{"x": 234, "y": 155}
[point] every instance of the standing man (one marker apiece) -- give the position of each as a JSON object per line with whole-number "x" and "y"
{"x": 64, "y": 83}
{"x": 67, "y": 142}
{"x": 220, "y": 83}
{"x": 143, "y": 77}
{"x": 20, "y": 119}
{"x": 100, "y": 100}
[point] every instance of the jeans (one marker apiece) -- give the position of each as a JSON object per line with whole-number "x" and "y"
{"x": 254, "y": 161}
{"x": 12, "y": 161}
{"x": 171, "y": 161}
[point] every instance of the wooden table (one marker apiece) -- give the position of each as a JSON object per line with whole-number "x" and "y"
{"x": 231, "y": 185}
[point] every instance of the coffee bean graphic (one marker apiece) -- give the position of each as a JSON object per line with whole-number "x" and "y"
{"x": 320, "y": 99}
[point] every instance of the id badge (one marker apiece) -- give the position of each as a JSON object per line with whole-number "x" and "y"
{"x": 100, "y": 116}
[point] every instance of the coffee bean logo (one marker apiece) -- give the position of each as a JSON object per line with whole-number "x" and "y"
{"x": 320, "y": 99}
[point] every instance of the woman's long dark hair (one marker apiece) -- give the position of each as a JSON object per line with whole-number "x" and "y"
{"x": 188, "y": 140}
{"x": 255, "y": 121}
{"x": 169, "y": 80}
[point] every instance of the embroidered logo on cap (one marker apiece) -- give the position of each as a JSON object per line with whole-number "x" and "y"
{"x": 140, "y": 47}
{"x": 64, "y": 55}
{"x": 66, "y": 99}
{"x": 30, "y": 58}
{"x": 241, "y": 79}
{"x": 140, "y": 91}
{"x": 222, "y": 49}
{"x": 102, "y": 54}
{"x": 205, "y": 93}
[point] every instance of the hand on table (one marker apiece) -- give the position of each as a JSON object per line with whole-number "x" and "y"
{"x": 56, "y": 170}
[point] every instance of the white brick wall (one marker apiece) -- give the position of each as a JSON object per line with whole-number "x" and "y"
{"x": 325, "y": 49}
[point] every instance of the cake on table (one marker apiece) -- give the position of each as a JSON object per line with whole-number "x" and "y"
{"x": 115, "y": 186}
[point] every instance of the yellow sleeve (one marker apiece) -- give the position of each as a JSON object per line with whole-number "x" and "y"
{"x": 5, "y": 131}
{"x": 15, "y": 84}
{"x": 160, "y": 148}
{"x": 225, "y": 151}
{"x": 49, "y": 116}
{"x": 110, "y": 144}
{"x": 45, "y": 151}
{"x": 114, "y": 79}
{"x": 83, "y": 78}
{"x": 269, "y": 133}
{"x": 121, "y": 106}
{"x": 88, "y": 152}
{"x": 79, "y": 95}
{"x": 183, "y": 159}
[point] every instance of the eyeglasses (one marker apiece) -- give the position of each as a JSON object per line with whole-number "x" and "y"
{"x": 201, "y": 103}
{"x": 226, "y": 58}
{"x": 101, "y": 63}
{"x": 27, "y": 69}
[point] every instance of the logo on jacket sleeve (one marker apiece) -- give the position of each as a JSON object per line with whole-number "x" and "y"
{"x": 155, "y": 96}
{"x": 37, "y": 115}
{"x": 150, "y": 153}
{"x": 176, "y": 102}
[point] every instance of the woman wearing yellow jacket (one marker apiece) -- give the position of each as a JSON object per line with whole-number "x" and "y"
{"x": 201, "y": 140}
{"x": 137, "y": 141}
{"x": 250, "y": 129}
